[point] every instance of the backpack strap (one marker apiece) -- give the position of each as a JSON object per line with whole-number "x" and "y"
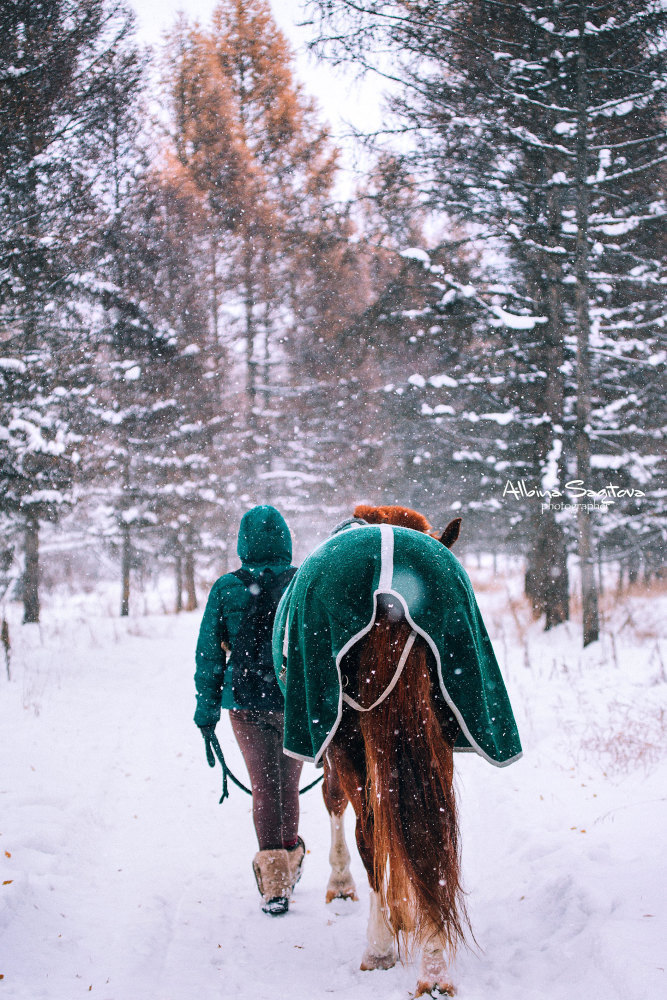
{"x": 245, "y": 576}
{"x": 275, "y": 579}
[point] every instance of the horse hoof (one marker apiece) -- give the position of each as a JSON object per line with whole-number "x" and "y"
{"x": 435, "y": 990}
{"x": 348, "y": 893}
{"x": 371, "y": 962}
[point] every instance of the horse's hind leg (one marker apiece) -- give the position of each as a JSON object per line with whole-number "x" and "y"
{"x": 380, "y": 952}
{"x": 347, "y": 779}
{"x": 341, "y": 884}
{"x": 434, "y": 976}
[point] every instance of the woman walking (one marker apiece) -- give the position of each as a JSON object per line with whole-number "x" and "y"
{"x": 234, "y": 671}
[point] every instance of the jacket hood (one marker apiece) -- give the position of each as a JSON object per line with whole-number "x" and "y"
{"x": 264, "y": 538}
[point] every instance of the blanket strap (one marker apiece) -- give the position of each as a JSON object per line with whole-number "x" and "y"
{"x": 393, "y": 682}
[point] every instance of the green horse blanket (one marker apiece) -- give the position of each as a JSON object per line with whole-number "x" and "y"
{"x": 331, "y": 604}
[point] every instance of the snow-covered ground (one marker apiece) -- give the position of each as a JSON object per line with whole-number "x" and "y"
{"x": 123, "y": 879}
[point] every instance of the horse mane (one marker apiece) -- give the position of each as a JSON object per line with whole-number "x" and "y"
{"x": 404, "y": 517}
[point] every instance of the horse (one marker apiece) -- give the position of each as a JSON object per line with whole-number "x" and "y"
{"x": 386, "y": 726}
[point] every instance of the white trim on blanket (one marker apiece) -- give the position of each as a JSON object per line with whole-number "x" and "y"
{"x": 409, "y": 643}
{"x": 386, "y": 558}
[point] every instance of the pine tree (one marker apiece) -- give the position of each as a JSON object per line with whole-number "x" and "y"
{"x": 248, "y": 142}
{"x": 507, "y": 358}
{"x": 50, "y": 81}
{"x": 540, "y": 125}
{"x": 156, "y": 407}
{"x": 188, "y": 473}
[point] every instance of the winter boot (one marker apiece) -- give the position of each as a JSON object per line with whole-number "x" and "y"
{"x": 295, "y": 856}
{"x": 272, "y": 874}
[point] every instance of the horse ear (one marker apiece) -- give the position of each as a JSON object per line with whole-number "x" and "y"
{"x": 451, "y": 532}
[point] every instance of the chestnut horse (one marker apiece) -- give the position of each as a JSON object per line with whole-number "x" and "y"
{"x": 386, "y": 668}
{"x": 398, "y": 778}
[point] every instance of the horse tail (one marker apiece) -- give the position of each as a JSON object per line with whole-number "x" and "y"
{"x": 411, "y": 816}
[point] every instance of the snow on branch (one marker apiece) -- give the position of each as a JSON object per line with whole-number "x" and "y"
{"x": 515, "y": 322}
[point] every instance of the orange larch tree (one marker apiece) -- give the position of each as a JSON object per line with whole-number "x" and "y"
{"x": 250, "y": 144}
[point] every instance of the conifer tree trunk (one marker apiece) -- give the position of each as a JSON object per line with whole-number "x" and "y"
{"x": 7, "y": 646}
{"x": 179, "y": 579}
{"x": 589, "y": 596}
{"x": 249, "y": 307}
{"x": 126, "y": 556}
{"x": 633, "y": 568}
{"x": 547, "y": 563}
{"x": 215, "y": 304}
{"x": 31, "y": 572}
{"x": 189, "y": 576}
{"x": 547, "y": 580}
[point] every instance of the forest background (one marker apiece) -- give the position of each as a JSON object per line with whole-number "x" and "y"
{"x": 198, "y": 312}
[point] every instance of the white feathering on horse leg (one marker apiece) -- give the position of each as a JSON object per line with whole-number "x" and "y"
{"x": 380, "y": 952}
{"x": 433, "y": 972}
{"x": 341, "y": 884}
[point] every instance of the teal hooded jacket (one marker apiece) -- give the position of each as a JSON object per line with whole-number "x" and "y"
{"x": 264, "y": 542}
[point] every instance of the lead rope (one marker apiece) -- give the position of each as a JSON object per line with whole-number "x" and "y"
{"x": 227, "y": 773}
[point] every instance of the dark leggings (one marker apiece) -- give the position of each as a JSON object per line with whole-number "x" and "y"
{"x": 274, "y": 777}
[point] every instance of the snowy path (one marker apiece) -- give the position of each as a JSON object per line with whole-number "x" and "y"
{"x": 124, "y": 879}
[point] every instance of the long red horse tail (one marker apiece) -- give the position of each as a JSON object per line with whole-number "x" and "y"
{"x": 411, "y": 817}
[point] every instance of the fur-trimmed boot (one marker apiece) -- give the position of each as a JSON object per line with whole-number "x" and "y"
{"x": 295, "y": 856}
{"x": 272, "y": 874}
